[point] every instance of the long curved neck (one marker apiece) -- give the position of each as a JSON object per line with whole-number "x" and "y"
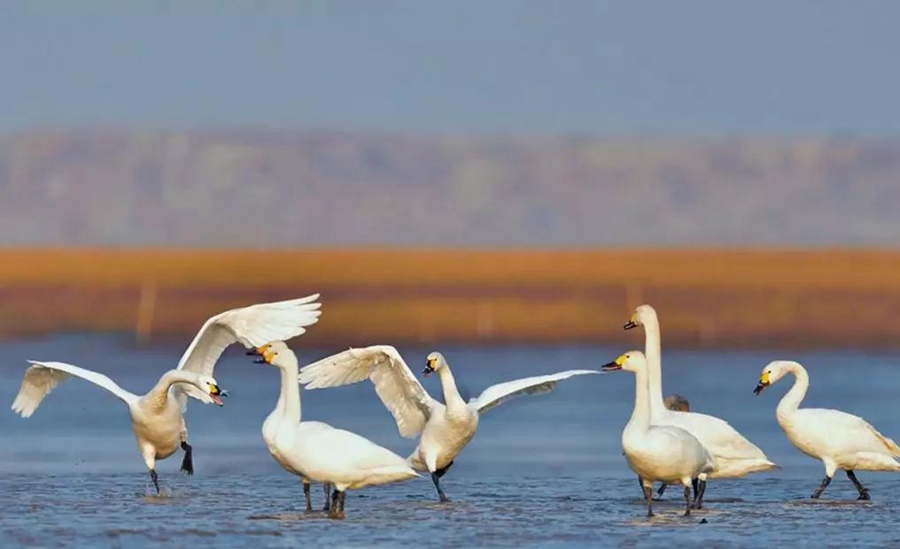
{"x": 288, "y": 405}
{"x": 640, "y": 417}
{"x": 159, "y": 395}
{"x": 451, "y": 393}
{"x": 790, "y": 402}
{"x": 653, "y": 352}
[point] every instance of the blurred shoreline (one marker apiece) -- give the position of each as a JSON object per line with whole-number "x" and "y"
{"x": 726, "y": 298}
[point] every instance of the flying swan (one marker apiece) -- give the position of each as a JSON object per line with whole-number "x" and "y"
{"x": 658, "y": 452}
{"x": 316, "y": 450}
{"x": 735, "y": 455}
{"x": 445, "y": 429}
{"x": 157, "y": 417}
{"x": 840, "y": 440}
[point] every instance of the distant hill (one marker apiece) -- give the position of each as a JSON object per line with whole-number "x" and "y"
{"x": 249, "y": 188}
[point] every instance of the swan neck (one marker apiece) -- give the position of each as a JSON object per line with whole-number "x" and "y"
{"x": 289, "y": 399}
{"x": 640, "y": 417}
{"x": 451, "y": 394}
{"x": 653, "y": 352}
{"x": 159, "y": 395}
{"x": 790, "y": 402}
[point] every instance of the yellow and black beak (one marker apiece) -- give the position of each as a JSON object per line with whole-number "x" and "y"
{"x": 265, "y": 357}
{"x": 614, "y": 366}
{"x": 216, "y": 393}
{"x": 763, "y": 383}
{"x": 429, "y": 367}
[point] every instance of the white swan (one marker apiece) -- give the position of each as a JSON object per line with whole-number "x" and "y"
{"x": 840, "y": 440}
{"x": 157, "y": 418}
{"x": 316, "y": 450}
{"x": 735, "y": 455}
{"x": 445, "y": 428}
{"x": 658, "y": 452}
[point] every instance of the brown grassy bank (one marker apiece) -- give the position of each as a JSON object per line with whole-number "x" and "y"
{"x": 705, "y": 297}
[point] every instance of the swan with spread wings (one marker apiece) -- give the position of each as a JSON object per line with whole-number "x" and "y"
{"x": 445, "y": 429}
{"x": 157, "y": 417}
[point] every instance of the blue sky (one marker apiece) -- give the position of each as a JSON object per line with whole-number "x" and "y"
{"x": 467, "y": 66}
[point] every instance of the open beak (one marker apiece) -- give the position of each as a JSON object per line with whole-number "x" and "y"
{"x": 260, "y": 353}
{"x": 629, "y": 325}
{"x": 215, "y": 394}
{"x": 429, "y": 368}
{"x": 760, "y": 387}
{"x": 611, "y": 367}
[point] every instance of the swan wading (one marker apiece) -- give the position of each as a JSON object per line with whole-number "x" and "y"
{"x": 658, "y": 452}
{"x": 735, "y": 455}
{"x": 157, "y": 417}
{"x": 445, "y": 429}
{"x": 840, "y": 440}
{"x": 316, "y": 450}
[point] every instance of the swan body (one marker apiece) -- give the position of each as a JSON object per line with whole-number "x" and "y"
{"x": 658, "y": 452}
{"x": 840, "y": 440}
{"x": 317, "y": 451}
{"x": 443, "y": 429}
{"x": 735, "y": 455}
{"x": 157, "y": 418}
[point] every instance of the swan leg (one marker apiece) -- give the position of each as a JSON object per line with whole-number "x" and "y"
{"x": 699, "y": 491}
{"x": 436, "y": 479}
{"x": 187, "y": 464}
{"x": 661, "y": 491}
{"x": 648, "y": 495}
{"x": 306, "y": 496}
{"x": 687, "y": 501}
{"x": 825, "y": 482}
{"x": 863, "y": 493}
{"x": 337, "y": 505}
{"x": 155, "y": 479}
{"x": 327, "y": 488}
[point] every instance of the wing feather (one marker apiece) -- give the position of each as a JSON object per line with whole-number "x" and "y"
{"x": 251, "y": 326}
{"x": 537, "y": 385}
{"x": 42, "y": 377}
{"x": 395, "y": 384}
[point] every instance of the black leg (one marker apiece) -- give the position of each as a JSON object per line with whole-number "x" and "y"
{"x": 337, "y": 505}
{"x": 699, "y": 492}
{"x": 436, "y": 479}
{"x": 155, "y": 479}
{"x": 187, "y": 464}
{"x": 662, "y": 489}
{"x": 441, "y": 472}
{"x": 648, "y": 495}
{"x": 687, "y": 501}
{"x": 306, "y": 496}
{"x": 343, "y": 497}
{"x": 327, "y": 488}
{"x": 825, "y": 482}
{"x": 863, "y": 493}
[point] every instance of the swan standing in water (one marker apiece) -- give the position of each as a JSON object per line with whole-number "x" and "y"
{"x": 658, "y": 452}
{"x": 316, "y": 450}
{"x": 735, "y": 455}
{"x": 840, "y": 440}
{"x": 445, "y": 428}
{"x": 157, "y": 418}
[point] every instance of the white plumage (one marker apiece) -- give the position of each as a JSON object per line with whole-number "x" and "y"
{"x": 445, "y": 429}
{"x": 840, "y": 440}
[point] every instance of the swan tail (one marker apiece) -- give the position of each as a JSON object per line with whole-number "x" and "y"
{"x": 888, "y": 443}
{"x": 872, "y": 461}
{"x": 740, "y": 467}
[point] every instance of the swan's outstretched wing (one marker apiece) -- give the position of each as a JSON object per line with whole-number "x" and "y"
{"x": 538, "y": 385}
{"x": 41, "y": 377}
{"x": 395, "y": 384}
{"x": 252, "y": 326}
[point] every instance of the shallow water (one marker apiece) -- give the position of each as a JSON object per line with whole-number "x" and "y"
{"x": 545, "y": 471}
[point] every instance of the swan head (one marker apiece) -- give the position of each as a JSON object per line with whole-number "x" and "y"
{"x": 433, "y": 362}
{"x": 276, "y": 353}
{"x": 773, "y": 371}
{"x": 643, "y": 314}
{"x": 211, "y": 386}
{"x": 632, "y": 361}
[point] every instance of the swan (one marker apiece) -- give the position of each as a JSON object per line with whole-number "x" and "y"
{"x": 658, "y": 452}
{"x": 840, "y": 440}
{"x": 445, "y": 428}
{"x": 735, "y": 455}
{"x": 157, "y": 418}
{"x": 316, "y": 450}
